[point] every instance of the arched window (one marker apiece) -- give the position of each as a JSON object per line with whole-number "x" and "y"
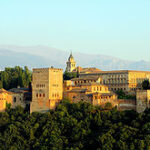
{"x": 14, "y": 99}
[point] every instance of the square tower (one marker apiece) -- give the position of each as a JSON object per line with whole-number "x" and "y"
{"x": 47, "y": 89}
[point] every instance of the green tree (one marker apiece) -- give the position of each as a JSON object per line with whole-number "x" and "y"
{"x": 108, "y": 106}
{"x": 69, "y": 75}
{"x": 77, "y": 126}
{"x": 1, "y": 84}
{"x": 145, "y": 85}
{"x": 13, "y": 77}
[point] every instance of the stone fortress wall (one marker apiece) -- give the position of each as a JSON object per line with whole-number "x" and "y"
{"x": 93, "y": 85}
{"x": 47, "y": 88}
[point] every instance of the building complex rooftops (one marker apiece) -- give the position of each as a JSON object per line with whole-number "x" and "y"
{"x": 85, "y": 78}
{"x": 86, "y": 70}
{"x": 115, "y": 71}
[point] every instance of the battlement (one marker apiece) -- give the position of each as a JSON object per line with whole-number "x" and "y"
{"x": 40, "y": 70}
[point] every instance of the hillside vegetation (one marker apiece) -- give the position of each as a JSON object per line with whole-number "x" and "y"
{"x": 79, "y": 126}
{"x": 13, "y": 77}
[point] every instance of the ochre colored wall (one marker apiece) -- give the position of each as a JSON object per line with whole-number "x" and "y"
{"x": 47, "y": 89}
{"x": 5, "y": 98}
{"x": 126, "y": 80}
{"x": 142, "y": 100}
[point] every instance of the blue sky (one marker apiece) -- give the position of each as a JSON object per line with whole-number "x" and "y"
{"x": 118, "y": 28}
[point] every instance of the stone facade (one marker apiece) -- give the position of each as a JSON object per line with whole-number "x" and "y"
{"x": 15, "y": 97}
{"x": 78, "y": 81}
{"x": 21, "y": 96}
{"x": 47, "y": 89}
{"x": 142, "y": 100}
{"x": 89, "y": 91}
{"x": 126, "y": 80}
{"x": 126, "y": 104}
{"x": 5, "y": 98}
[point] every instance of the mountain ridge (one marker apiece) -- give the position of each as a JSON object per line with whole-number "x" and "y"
{"x": 44, "y": 56}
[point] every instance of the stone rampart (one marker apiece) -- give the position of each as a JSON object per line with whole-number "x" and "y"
{"x": 126, "y": 104}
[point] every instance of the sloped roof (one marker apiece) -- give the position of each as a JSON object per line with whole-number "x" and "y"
{"x": 87, "y": 70}
{"x": 105, "y": 94}
{"x": 92, "y": 69}
{"x": 92, "y": 83}
{"x": 79, "y": 90}
{"x": 113, "y": 71}
{"x": 4, "y": 91}
{"x": 85, "y": 78}
{"x": 19, "y": 90}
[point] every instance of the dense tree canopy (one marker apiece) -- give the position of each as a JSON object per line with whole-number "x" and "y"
{"x": 69, "y": 75}
{"x": 122, "y": 95}
{"x": 77, "y": 126}
{"x": 146, "y": 85}
{"x": 13, "y": 77}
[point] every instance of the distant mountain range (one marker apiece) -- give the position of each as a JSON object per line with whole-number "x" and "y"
{"x": 42, "y": 56}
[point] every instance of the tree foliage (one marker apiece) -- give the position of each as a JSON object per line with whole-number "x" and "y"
{"x": 13, "y": 77}
{"x": 75, "y": 126}
{"x": 146, "y": 85}
{"x": 122, "y": 95}
{"x": 69, "y": 75}
{"x": 108, "y": 106}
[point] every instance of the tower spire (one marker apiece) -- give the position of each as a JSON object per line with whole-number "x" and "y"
{"x": 71, "y": 64}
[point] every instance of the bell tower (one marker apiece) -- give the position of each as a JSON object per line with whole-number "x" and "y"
{"x": 71, "y": 64}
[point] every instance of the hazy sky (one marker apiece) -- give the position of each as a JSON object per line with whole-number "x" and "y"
{"x": 118, "y": 28}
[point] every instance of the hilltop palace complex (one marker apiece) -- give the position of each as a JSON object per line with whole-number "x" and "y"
{"x": 93, "y": 85}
